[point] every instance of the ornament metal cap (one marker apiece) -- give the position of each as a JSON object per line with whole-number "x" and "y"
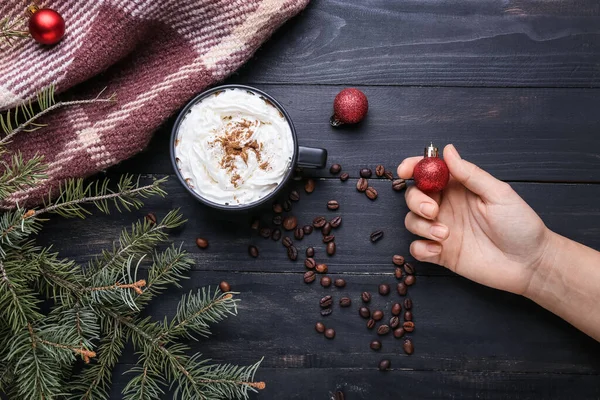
{"x": 430, "y": 151}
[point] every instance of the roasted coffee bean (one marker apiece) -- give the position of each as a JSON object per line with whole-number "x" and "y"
{"x": 384, "y": 365}
{"x": 253, "y": 251}
{"x": 299, "y": 233}
{"x": 308, "y": 229}
{"x": 328, "y": 238}
{"x": 330, "y": 333}
{"x": 290, "y": 223}
{"x": 344, "y": 177}
{"x": 309, "y": 276}
{"x": 333, "y": 205}
{"x": 277, "y": 208}
{"x": 366, "y": 297}
{"x": 370, "y": 323}
{"x": 294, "y": 195}
{"x": 330, "y": 249}
{"x": 339, "y": 395}
{"x": 408, "y": 315}
{"x": 398, "y": 184}
{"x": 309, "y": 186}
{"x": 151, "y": 217}
{"x": 362, "y": 185}
{"x": 408, "y": 347}
{"x": 319, "y": 222}
{"x": 398, "y": 333}
{"x": 396, "y": 309}
{"x": 224, "y": 286}
{"x": 408, "y": 303}
{"x": 255, "y": 225}
{"x": 310, "y": 263}
{"x": 408, "y": 326}
{"x": 326, "y": 301}
{"x": 320, "y": 327}
{"x": 287, "y": 241}
{"x": 371, "y": 193}
{"x": 325, "y": 281}
{"x": 389, "y": 175}
{"x": 327, "y": 311}
{"x": 398, "y": 260}
{"x": 336, "y": 222}
{"x": 379, "y": 170}
{"x": 377, "y": 315}
{"x": 287, "y": 205}
{"x": 383, "y": 330}
{"x": 310, "y": 252}
{"x": 409, "y": 269}
{"x": 376, "y": 235}
{"x": 276, "y": 235}
{"x": 345, "y": 302}
{"x": 335, "y": 169}
{"x": 365, "y": 173}
{"x": 409, "y": 280}
{"x": 292, "y": 253}
{"x": 340, "y": 283}
{"x": 398, "y": 273}
{"x": 202, "y": 243}
{"x": 321, "y": 268}
{"x": 265, "y": 232}
{"x": 277, "y": 220}
{"x": 402, "y": 289}
{"x": 384, "y": 289}
{"x": 394, "y": 322}
{"x": 375, "y": 345}
{"x": 326, "y": 230}
{"x": 364, "y": 312}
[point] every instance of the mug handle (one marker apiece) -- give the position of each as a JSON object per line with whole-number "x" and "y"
{"x": 312, "y": 157}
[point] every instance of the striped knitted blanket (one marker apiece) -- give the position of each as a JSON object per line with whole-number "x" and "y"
{"x": 154, "y": 54}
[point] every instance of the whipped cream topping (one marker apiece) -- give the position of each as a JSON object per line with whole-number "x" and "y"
{"x": 234, "y": 147}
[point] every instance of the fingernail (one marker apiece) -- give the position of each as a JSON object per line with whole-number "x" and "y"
{"x": 453, "y": 149}
{"x": 427, "y": 209}
{"x": 439, "y": 231}
{"x": 434, "y": 248}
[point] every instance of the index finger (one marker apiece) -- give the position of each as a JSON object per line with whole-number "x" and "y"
{"x": 405, "y": 169}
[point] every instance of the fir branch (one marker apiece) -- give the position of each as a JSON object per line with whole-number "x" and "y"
{"x": 10, "y": 29}
{"x": 15, "y": 229}
{"x": 19, "y": 174}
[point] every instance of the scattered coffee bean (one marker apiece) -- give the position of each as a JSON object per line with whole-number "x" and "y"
{"x": 265, "y": 232}
{"x": 224, "y": 286}
{"x": 309, "y": 186}
{"x": 340, "y": 283}
{"x": 290, "y": 223}
{"x": 398, "y": 260}
{"x": 321, "y": 268}
{"x": 335, "y": 169}
{"x": 398, "y": 184}
{"x": 377, "y": 315}
{"x": 326, "y": 301}
{"x": 325, "y": 281}
{"x": 292, "y": 253}
{"x": 287, "y": 206}
{"x": 330, "y": 249}
{"x": 375, "y": 345}
{"x": 202, "y": 243}
{"x": 294, "y": 195}
{"x": 364, "y": 312}
{"x": 409, "y": 269}
{"x": 336, "y": 222}
{"x": 371, "y": 193}
{"x": 277, "y": 208}
{"x": 366, "y": 297}
{"x": 398, "y": 273}
{"x": 327, "y": 311}
{"x": 370, "y": 323}
{"x": 328, "y": 238}
{"x": 379, "y": 170}
{"x": 365, "y": 173}
{"x": 394, "y": 322}
{"x": 410, "y": 280}
{"x": 345, "y": 302}
{"x": 298, "y": 233}
{"x": 408, "y": 326}
{"x": 310, "y": 263}
{"x": 255, "y": 225}
{"x": 287, "y": 241}
{"x": 326, "y": 230}
{"x": 384, "y": 365}
{"x": 362, "y": 185}
{"x": 408, "y": 315}
{"x": 376, "y": 235}
{"x": 333, "y": 205}
{"x": 408, "y": 347}
{"x": 402, "y": 289}
{"x": 277, "y": 220}
{"x": 389, "y": 175}
{"x": 310, "y": 252}
{"x": 398, "y": 333}
{"x": 253, "y": 251}
{"x": 339, "y": 395}
{"x": 309, "y": 276}
{"x": 383, "y": 330}
{"x": 319, "y": 222}
{"x": 320, "y": 327}
{"x": 276, "y": 235}
{"x": 408, "y": 303}
{"x": 344, "y": 177}
{"x": 384, "y": 289}
{"x": 396, "y": 309}
{"x": 330, "y": 333}
{"x": 308, "y": 229}
{"x": 151, "y": 217}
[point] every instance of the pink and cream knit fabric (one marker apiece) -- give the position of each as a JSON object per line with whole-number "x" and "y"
{"x": 154, "y": 54}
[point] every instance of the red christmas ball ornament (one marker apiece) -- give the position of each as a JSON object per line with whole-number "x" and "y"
{"x": 46, "y": 26}
{"x": 431, "y": 174}
{"x": 349, "y": 107}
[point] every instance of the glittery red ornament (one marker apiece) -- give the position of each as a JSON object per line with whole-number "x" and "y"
{"x": 431, "y": 174}
{"x": 349, "y": 107}
{"x": 46, "y": 26}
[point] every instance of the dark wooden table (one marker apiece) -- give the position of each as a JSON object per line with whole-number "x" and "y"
{"x": 515, "y": 85}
